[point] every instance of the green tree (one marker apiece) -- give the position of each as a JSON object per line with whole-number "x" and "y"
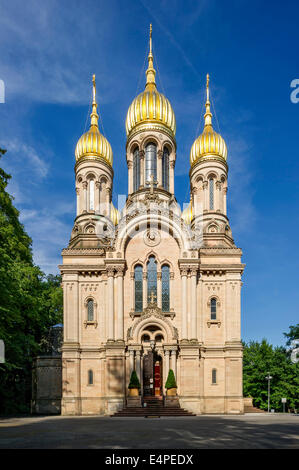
{"x": 258, "y": 360}
{"x": 292, "y": 334}
{"x": 134, "y": 381}
{"x": 30, "y": 303}
{"x": 170, "y": 382}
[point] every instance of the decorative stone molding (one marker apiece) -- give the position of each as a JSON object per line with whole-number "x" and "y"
{"x": 110, "y": 272}
{"x": 213, "y": 322}
{"x": 83, "y": 251}
{"x": 152, "y": 237}
{"x": 154, "y": 312}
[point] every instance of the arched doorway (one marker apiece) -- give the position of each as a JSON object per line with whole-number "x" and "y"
{"x": 152, "y": 366}
{"x": 152, "y": 374}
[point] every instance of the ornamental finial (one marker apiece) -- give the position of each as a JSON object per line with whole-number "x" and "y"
{"x": 208, "y": 114}
{"x": 94, "y": 115}
{"x": 151, "y": 72}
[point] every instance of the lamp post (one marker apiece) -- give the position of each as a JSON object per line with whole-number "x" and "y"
{"x": 268, "y": 378}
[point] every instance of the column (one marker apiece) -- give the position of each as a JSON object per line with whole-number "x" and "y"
{"x": 141, "y": 156}
{"x": 120, "y": 304}
{"x": 110, "y": 301}
{"x": 138, "y": 365}
{"x": 130, "y": 177}
{"x": 85, "y": 196}
{"x": 173, "y": 361}
{"x": 218, "y": 196}
{"x": 97, "y": 197}
{"x": 78, "y": 200}
{"x": 205, "y": 196}
{"x": 171, "y": 176}
{"x": 159, "y": 289}
{"x": 132, "y": 366}
{"x": 184, "y": 303}
{"x": 144, "y": 290}
{"x": 193, "y": 330}
{"x": 171, "y": 291}
{"x": 108, "y": 192}
{"x": 166, "y": 363}
{"x": 159, "y": 168}
{"x": 224, "y": 199}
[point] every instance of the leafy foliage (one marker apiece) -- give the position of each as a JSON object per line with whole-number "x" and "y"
{"x": 170, "y": 382}
{"x": 259, "y": 359}
{"x": 30, "y": 303}
{"x": 134, "y": 381}
{"x": 292, "y": 334}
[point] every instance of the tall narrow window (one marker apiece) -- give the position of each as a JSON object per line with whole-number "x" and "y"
{"x": 150, "y": 162}
{"x": 91, "y": 195}
{"x": 152, "y": 279}
{"x": 138, "y": 288}
{"x": 90, "y": 377}
{"x": 211, "y": 190}
{"x": 213, "y": 309}
{"x": 136, "y": 170}
{"x": 165, "y": 169}
{"x": 90, "y": 310}
{"x": 165, "y": 288}
{"x": 214, "y": 376}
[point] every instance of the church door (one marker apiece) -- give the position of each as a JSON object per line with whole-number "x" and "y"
{"x": 157, "y": 379}
{"x": 152, "y": 374}
{"x": 148, "y": 369}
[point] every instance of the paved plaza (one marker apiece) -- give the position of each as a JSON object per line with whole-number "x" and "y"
{"x": 253, "y": 431}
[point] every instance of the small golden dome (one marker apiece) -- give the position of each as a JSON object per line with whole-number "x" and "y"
{"x": 93, "y": 143}
{"x": 150, "y": 108}
{"x": 114, "y": 214}
{"x": 187, "y": 214}
{"x": 209, "y": 143}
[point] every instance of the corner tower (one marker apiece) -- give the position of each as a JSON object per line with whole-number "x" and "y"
{"x": 94, "y": 182}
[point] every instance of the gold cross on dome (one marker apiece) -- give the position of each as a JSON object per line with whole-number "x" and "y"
{"x": 152, "y": 183}
{"x": 152, "y": 297}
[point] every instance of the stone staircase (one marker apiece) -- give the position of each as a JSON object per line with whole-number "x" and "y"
{"x": 249, "y": 408}
{"x": 154, "y": 409}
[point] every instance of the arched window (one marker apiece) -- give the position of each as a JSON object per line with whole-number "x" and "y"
{"x": 90, "y": 310}
{"x": 165, "y": 288}
{"x": 145, "y": 339}
{"x": 159, "y": 338}
{"x": 136, "y": 170}
{"x": 90, "y": 377}
{"x": 213, "y": 309}
{"x": 150, "y": 162}
{"x": 214, "y": 376}
{"x": 165, "y": 169}
{"x": 138, "y": 288}
{"x": 211, "y": 192}
{"x": 151, "y": 279}
{"x": 91, "y": 195}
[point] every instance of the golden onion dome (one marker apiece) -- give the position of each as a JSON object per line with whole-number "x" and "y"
{"x": 93, "y": 143}
{"x": 114, "y": 214}
{"x": 150, "y": 109}
{"x": 187, "y": 214}
{"x": 209, "y": 143}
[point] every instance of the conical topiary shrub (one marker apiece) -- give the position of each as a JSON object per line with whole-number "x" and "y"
{"x": 170, "y": 382}
{"x": 134, "y": 381}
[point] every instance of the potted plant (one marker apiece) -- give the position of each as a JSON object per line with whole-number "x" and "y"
{"x": 134, "y": 385}
{"x": 171, "y": 386}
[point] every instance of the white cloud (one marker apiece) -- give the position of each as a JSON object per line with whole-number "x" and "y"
{"x": 50, "y": 231}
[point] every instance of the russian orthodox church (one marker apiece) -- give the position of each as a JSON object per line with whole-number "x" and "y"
{"x": 150, "y": 288}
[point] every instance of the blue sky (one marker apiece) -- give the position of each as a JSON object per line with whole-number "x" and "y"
{"x": 49, "y": 51}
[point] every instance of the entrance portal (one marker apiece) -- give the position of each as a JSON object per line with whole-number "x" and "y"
{"x": 152, "y": 374}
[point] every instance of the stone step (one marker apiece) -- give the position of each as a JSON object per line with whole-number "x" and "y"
{"x": 252, "y": 409}
{"x": 147, "y": 412}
